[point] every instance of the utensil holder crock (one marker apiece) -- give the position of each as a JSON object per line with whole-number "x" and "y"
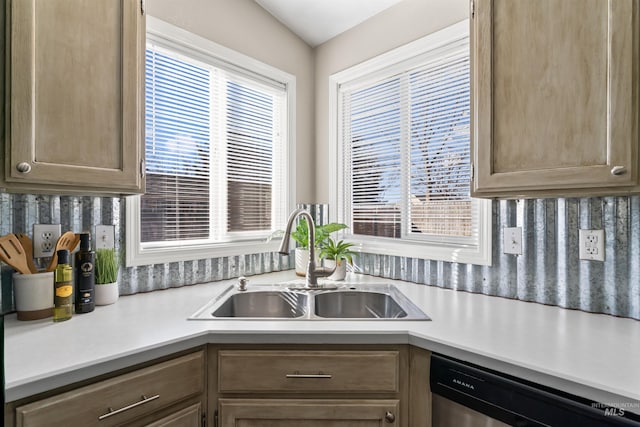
{"x": 33, "y": 295}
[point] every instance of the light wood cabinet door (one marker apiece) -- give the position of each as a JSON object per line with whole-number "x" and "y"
{"x": 123, "y": 399}
{"x": 555, "y": 97}
{"x": 190, "y": 416}
{"x": 308, "y": 413}
{"x": 76, "y": 110}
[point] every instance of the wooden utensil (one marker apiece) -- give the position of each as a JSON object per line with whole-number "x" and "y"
{"x": 11, "y": 252}
{"x": 27, "y": 245}
{"x": 68, "y": 241}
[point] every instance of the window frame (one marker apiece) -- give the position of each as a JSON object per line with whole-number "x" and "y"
{"x": 433, "y": 247}
{"x": 136, "y": 254}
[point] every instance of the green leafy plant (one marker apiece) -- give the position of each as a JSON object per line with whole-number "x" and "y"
{"x": 107, "y": 265}
{"x": 301, "y": 233}
{"x": 337, "y": 251}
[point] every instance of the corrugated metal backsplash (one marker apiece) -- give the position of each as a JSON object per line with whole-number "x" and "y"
{"x": 547, "y": 272}
{"x": 19, "y": 212}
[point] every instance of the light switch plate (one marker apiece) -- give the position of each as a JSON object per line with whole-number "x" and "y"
{"x": 591, "y": 244}
{"x": 512, "y": 240}
{"x": 105, "y": 237}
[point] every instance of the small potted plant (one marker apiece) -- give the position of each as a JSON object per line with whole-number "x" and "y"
{"x": 338, "y": 255}
{"x": 107, "y": 265}
{"x": 301, "y": 236}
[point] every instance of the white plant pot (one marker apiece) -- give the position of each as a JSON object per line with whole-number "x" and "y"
{"x": 302, "y": 261}
{"x": 340, "y": 272}
{"x": 106, "y": 294}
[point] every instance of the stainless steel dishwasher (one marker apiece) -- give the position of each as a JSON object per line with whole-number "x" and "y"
{"x": 466, "y": 395}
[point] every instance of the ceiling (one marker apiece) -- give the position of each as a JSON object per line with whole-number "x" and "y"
{"x": 316, "y": 21}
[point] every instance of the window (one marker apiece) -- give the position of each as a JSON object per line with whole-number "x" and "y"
{"x": 218, "y": 128}
{"x": 402, "y": 151}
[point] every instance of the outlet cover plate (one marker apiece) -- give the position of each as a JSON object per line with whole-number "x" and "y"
{"x": 105, "y": 237}
{"x": 591, "y": 244}
{"x": 512, "y": 240}
{"x": 45, "y": 237}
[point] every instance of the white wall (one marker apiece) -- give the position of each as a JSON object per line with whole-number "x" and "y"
{"x": 405, "y": 22}
{"x": 245, "y": 27}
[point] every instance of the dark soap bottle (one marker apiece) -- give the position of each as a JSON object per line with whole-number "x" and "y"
{"x": 85, "y": 275}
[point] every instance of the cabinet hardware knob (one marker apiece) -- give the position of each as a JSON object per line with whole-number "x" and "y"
{"x": 618, "y": 170}
{"x": 23, "y": 167}
{"x": 389, "y": 417}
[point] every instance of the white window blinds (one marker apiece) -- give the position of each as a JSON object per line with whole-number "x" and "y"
{"x": 405, "y": 143}
{"x": 373, "y": 146}
{"x": 439, "y": 150}
{"x": 177, "y": 204}
{"x": 215, "y": 150}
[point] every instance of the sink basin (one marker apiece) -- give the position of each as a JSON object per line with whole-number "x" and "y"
{"x": 356, "y": 304}
{"x": 282, "y": 301}
{"x": 277, "y": 304}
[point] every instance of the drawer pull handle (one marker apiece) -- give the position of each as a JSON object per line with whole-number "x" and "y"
{"x": 144, "y": 399}
{"x": 389, "y": 417}
{"x": 320, "y": 375}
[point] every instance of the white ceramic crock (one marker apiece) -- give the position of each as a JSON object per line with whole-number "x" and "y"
{"x": 33, "y": 295}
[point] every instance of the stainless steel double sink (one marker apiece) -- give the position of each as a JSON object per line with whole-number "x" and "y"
{"x": 283, "y": 301}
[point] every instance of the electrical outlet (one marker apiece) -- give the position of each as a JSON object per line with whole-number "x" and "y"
{"x": 512, "y": 240}
{"x": 591, "y": 244}
{"x": 105, "y": 237}
{"x": 45, "y": 237}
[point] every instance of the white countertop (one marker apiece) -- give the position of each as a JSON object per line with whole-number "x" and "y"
{"x": 590, "y": 355}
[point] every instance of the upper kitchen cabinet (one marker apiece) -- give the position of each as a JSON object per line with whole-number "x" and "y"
{"x": 75, "y": 98}
{"x": 555, "y": 97}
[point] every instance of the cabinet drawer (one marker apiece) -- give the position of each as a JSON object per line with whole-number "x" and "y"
{"x": 119, "y": 399}
{"x": 308, "y": 371}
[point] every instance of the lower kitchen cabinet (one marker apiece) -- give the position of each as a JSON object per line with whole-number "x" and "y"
{"x": 329, "y": 386}
{"x": 169, "y": 393}
{"x": 247, "y": 386}
{"x": 308, "y": 412}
